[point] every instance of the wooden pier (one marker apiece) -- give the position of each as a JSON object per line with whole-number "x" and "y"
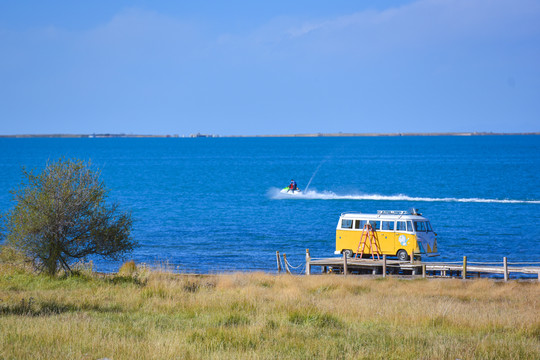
{"x": 385, "y": 267}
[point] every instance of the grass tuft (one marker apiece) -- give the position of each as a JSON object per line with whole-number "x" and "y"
{"x": 119, "y": 279}
{"x": 314, "y": 319}
{"x": 234, "y": 320}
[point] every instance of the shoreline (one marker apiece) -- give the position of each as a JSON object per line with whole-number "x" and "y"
{"x": 339, "y": 134}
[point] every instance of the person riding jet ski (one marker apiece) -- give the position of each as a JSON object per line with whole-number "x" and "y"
{"x": 291, "y": 189}
{"x": 293, "y": 186}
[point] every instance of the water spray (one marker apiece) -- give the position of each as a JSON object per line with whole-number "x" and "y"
{"x": 315, "y": 173}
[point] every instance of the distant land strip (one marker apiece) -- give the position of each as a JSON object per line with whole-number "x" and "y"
{"x": 199, "y": 135}
{"x": 388, "y": 134}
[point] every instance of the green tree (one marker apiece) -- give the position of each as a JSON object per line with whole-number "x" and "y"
{"x": 61, "y": 216}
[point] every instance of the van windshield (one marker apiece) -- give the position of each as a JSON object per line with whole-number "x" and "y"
{"x": 422, "y": 226}
{"x": 419, "y": 226}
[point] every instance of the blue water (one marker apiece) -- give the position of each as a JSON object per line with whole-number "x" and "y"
{"x": 209, "y": 205}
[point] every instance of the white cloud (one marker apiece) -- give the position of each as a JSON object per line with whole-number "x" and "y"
{"x": 143, "y": 33}
{"x": 423, "y": 23}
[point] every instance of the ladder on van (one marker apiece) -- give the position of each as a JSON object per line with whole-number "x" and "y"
{"x": 369, "y": 235}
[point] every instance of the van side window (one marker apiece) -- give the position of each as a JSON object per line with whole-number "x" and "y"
{"x": 357, "y": 224}
{"x": 346, "y": 224}
{"x": 361, "y": 223}
{"x": 428, "y": 225}
{"x": 387, "y": 225}
{"x": 400, "y": 226}
{"x": 409, "y": 226}
{"x": 376, "y": 225}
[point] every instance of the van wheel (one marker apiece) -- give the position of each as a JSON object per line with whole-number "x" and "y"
{"x": 402, "y": 255}
{"x": 348, "y": 253}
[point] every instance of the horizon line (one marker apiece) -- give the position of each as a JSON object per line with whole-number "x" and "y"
{"x": 200, "y": 135}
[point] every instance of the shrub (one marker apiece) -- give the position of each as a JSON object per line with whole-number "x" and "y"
{"x": 129, "y": 268}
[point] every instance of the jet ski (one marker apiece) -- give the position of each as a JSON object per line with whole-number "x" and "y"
{"x": 288, "y": 191}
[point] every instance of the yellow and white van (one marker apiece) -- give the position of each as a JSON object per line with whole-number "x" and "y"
{"x": 399, "y": 233}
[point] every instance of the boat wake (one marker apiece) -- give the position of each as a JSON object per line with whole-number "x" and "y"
{"x": 275, "y": 193}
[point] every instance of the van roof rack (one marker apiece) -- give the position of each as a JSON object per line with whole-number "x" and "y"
{"x": 411, "y": 211}
{"x": 392, "y": 212}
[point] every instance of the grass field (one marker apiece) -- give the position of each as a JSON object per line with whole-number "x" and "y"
{"x": 144, "y": 314}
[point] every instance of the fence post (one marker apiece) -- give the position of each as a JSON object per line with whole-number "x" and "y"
{"x": 412, "y": 257}
{"x": 423, "y": 271}
{"x": 278, "y": 262}
{"x": 384, "y": 265}
{"x": 344, "y": 264}
{"x": 505, "y": 264}
{"x": 464, "y": 271}
{"x": 308, "y": 263}
{"x": 285, "y": 261}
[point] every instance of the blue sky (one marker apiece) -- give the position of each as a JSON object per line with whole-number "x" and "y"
{"x": 276, "y": 67}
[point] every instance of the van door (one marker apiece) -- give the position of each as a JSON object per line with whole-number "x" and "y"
{"x": 401, "y": 238}
{"x": 387, "y": 237}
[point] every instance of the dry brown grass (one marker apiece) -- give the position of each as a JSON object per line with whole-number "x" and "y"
{"x": 158, "y": 315}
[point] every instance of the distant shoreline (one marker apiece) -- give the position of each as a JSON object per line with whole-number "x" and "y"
{"x": 107, "y": 135}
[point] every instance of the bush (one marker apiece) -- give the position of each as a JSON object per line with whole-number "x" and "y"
{"x": 128, "y": 268}
{"x": 12, "y": 256}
